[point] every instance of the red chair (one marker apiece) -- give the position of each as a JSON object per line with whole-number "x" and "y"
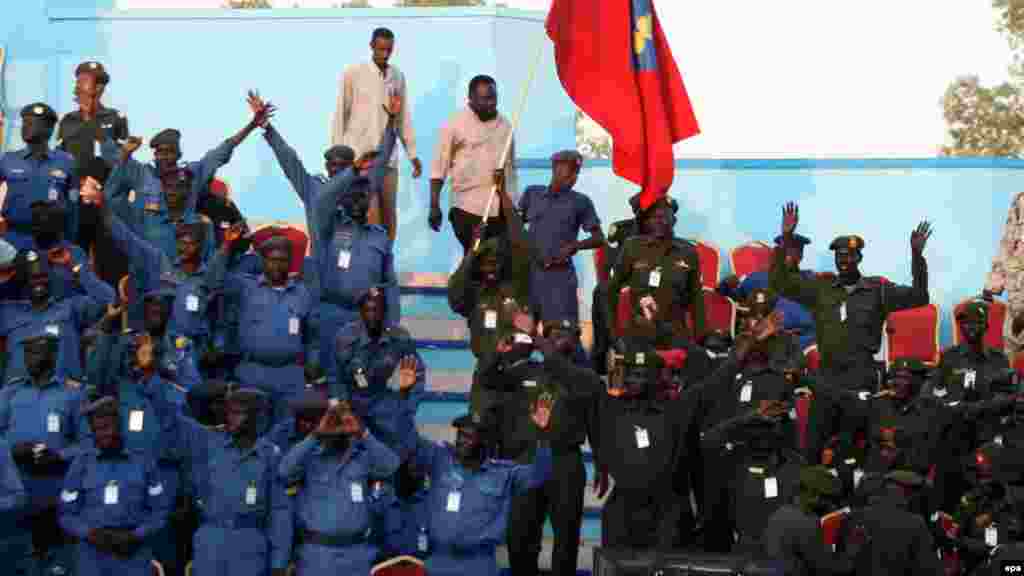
{"x": 710, "y": 263}
{"x": 830, "y": 525}
{"x": 298, "y": 238}
{"x": 624, "y": 311}
{"x": 600, "y": 264}
{"x": 400, "y": 566}
{"x": 996, "y": 317}
{"x": 752, "y": 257}
{"x": 719, "y": 313}
{"x": 913, "y": 333}
{"x": 812, "y": 359}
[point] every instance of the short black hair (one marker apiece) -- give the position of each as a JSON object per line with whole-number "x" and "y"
{"x": 384, "y": 33}
{"x": 478, "y": 80}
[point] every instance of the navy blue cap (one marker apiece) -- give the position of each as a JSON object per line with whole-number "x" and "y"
{"x": 168, "y": 136}
{"x": 800, "y": 240}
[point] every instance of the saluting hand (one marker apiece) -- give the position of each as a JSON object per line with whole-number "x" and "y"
{"x": 540, "y": 412}
{"x": 919, "y": 237}
{"x": 790, "y": 218}
{"x": 407, "y": 373}
{"x": 262, "y": 111}
{"x": 768, "y": 326}
{"x": 130, "y": 145}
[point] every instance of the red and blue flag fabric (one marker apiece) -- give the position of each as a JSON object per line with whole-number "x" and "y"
{"x": 616, "y": 65}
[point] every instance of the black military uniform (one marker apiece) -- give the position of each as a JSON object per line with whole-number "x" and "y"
{"x": 728, "y": 399}
{"x": 849, "y": 321}
{"x": 642, "y": 445}
{"x": 618, "y": 232}
{"x": 987, "y": 514}
{"x": 573, "y": 391}
{"x": 898, "y": 541}
{"x": 793, "y": 533}
{"x": 81, "y": 138}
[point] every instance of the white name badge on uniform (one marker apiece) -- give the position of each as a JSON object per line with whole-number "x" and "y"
{"x": 642, "y": 439}
{"x": 454, "y": 501}
{"x": 654, "y": 280}
{"x": 53, "y": 423}
{"x": 357, "y": 492}
{"x": 97, "y": 151}
{"x": 53, "y": 195}
{"x": 421, "y": 542}
{"x": 250, "y": 495}
{"x": 998, "y": 439}
{"x": 192, "y": 303}
{"x": 110, "y": 494}
{"x": 529, "y": 383}
{"x": 842, "y": 312}
{"x": 771, "y": 487}
{"x": 293, "y": 326}
{"x": 490, "y": 319}
{"x": 135, "y": 420}
{"x": 746, "y": 392}
{"x": 361, "y": 381}
{"x": 858, "y": 475}
{"x": 344, "y": 259}
{"x": 969, "y": 377}
{"x": 53, "y": 329}
{"x": 992, "y": 535}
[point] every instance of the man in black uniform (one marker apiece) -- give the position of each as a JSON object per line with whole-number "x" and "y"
{"x": 80, "y": 132}
{"x": 761, "y": 367}
{"x": 618, "y": 232}
{"x": 987, "y": 516}
{"x": 793, "y": 533}
{"x": 897, "y": 540}
{"x": 573, "y": 391}
{"x": 642, "y": 445}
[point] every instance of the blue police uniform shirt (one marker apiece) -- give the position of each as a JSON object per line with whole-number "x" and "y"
{"x": 67, "y": 319}
{"x": 284, "y": 435}
{"x": 306, "y": 186}
{"x": 119, "y": 489}
{"x": 337, "y": 496}
{"x": 62, "y": 282}
{"x": 31, "y": 180}
{"x": 273, "y": 322}
{"x": 151, "y": 269}
{"x": 795, "y": 317}
{"x": 13, "y": 497}
{"x": 238, "y": 489}
{"x": 146, "y": 210}
{"x": 469, "y": 510}
{"x": 47, "y": 415}
{"x": 555, "y": 218}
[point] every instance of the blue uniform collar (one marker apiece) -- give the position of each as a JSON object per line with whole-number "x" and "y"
{"x": 229, "y": 442}
{"x": 552, "y": 193}
{"x": 26, "y": 153}
{"x": 264, "y": 282}
{"x": 120, "y": 453}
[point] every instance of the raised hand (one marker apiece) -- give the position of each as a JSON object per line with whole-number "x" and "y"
{"x": 407, "y": 373}
{"x": 262, "y": 111}
{"x": 234, "y": 233}
{"x": 91, "y": 192}
{"x": 768, "y": 326}
{"x": 790, "y": 218}
{"x": 131, "y": 144}
{"x": 919, "y": 237}
{"x": 649, "y": 308}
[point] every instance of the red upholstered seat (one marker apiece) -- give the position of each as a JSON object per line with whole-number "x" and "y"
{"x": 400, "y": 566}
{"x": 752, "y": 257}
{"x": 710, "y": 263}
{"x": 913, "y": 333}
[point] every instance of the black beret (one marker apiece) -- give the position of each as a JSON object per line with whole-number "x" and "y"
{"x": 40, "y": 110}
{"x": 976, "y": 310}
{"x": 797, "y": 239}
{"x": 666, "y": 200}
{"x": 168, "y": 136}
{"x": 105, "y": 406}
{"x": 94, "y": 68}
{"x": 849, "y": 242}
{"x": 340, "y": 152}
{"x": 249, "y": 397}
{"x": 571, "y": 156}
{"x": 210, "y": 389}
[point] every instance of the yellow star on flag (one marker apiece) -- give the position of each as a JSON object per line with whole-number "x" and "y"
{"x": 642, "y": 34}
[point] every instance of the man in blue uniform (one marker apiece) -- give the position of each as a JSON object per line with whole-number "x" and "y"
{"x": 152, "y": 270}
{"x": 154, "y": 198}
{"x": 353, "y": 255}
{"x": 39, "y": 417}
{"x": 307, "y": 410}
{"x": 36, "y": 173}
{"x": 370, "y": 359}
{"x": 470, "y": 496}
{"x": 15, "y": 541}
{"x": 113, "y": 501}
{"x": 65, "y": 319}
{"x": 343, "y": 506}
{"x": 246, "y": 522}
{"x": 555, "y": 215}
{"x": 795, "y": 317}
{"x": 48, "y": 226}
{"x": 274, "y": 337}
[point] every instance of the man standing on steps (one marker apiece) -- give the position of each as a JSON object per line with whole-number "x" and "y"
{"x": 366, "y": 92}
{"x": 468, "y": 149}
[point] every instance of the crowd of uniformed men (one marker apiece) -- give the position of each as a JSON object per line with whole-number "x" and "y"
{"x": 239, "y": 407}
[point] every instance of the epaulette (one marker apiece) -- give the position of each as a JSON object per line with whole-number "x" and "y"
{"x": 293, "y": 489}
{"x": 181, "y": 342}
{"x": 72, "y": 384}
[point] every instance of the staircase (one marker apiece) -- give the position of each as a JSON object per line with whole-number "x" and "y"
{"x": 442, "y": 339}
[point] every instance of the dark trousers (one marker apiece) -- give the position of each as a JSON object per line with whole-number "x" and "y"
{"x": 561, "y": 499}
{"x": 463, "y": 224}
{"x": 719, "y": 516}
{"x": 645, "y": 519}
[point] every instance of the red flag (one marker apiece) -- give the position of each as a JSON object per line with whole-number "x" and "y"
{"x": 615, "y": 64}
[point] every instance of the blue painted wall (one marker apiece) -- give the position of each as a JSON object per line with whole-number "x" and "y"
{"x": 190, "y": 70}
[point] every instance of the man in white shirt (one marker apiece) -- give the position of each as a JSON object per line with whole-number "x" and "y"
{"x": 360, "y": 119}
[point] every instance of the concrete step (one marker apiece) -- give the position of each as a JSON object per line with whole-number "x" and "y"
{"x": 424, "y": 282}
{"x": 429, "y": 305}
{"x": 428, "y": 330}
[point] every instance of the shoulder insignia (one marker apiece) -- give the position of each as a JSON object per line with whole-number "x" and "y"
{"x": 181, "y": 342}
{"x": 682, "y": 264}
{"x": 72, "y": 384}
{"x": 205, "y": 219}
{"x": 293, "y": 490}
{"x": 57, "y": 173}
